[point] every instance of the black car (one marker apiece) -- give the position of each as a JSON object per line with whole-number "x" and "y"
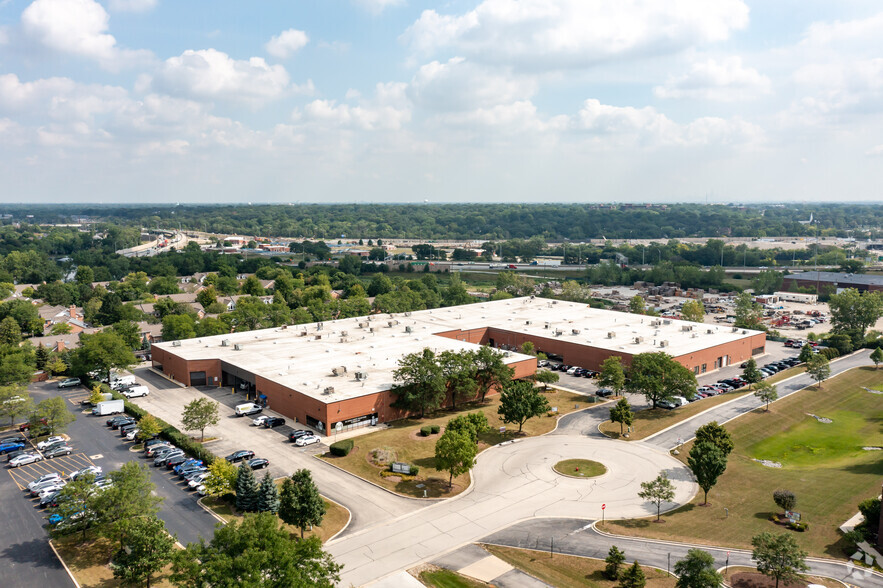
{"x": 49, "y": 500}
{"x": 115, "y": 419}
{"x": 122, "y": 423}
{"x": 258, "y": 463}
{"x": 274, "y": 422}
{"x": 297, "y": 434}
{"x": 124, "y": 430}
{"x": 177, "y": 460}
{"x": 603, "y": 392}
{"x": 238, "y": 456}
{"x": 190, "y": 470}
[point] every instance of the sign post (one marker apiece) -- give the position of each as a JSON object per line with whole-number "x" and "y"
{"x": 603, "y": 506}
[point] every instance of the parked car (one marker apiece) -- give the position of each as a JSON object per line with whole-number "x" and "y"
{"x": 260, "y": 420}
{"x": 174, "y": 462}
{"x": 188, "y": 462}
{"x": 88, "y": 470}
{"x": 102, "y": 484}
{"x": 11, "y": 446}
{"x": 159, "y": 448}
{"x": 49, "y": 499}
{"x": 25, "y": 459}
{"x": 666, "y": 404}
{"x": 136, "y": 392}
{"x": 132, "y": 433}
{"x": 274, "y": 422}
{"x": 55, "y": 483}
{"x": 196, "y": 481}
{"x": 306, "y": 440}
{"x": 115, "y": 419}
{"x": 122, "y": 422}
{"x": 238, "y": 456}
{"x": 247, "y": 409}
{"x": 124, "y": 430}
{"x": 297, "y": 433}
{"x": 258, "y": 463}
{"x": 191, "y": 469}
{"x": 58, "y": 451}
{"x": 69, "y": 383}
{"x": 51, "y": 477}
{"x": 604, "y": 392}
{"x": 163, "y": 458}
{"x": 49, "y": 441}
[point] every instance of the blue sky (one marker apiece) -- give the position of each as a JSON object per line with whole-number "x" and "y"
{"x": 405, "y": 101}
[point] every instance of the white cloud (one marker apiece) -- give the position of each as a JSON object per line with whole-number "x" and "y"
{"x": 875, "y": 151}
{"x": 726, "y": 80}
{"x": 618, "y": 125}
{"x": 212, "y": 74}
{"x": 287, "y": 43}
{"x": 378, "y": 6}
{"x": 540, "y": 34}
{"x": 132, "y": 5}
{"x": 517, "y": 117}
{"x": 839, "y": 88}
{"x": 388, "y": 110}
{"x": 850, "y": 31}
{"x": 78, "y": 27}
{"x": 461, "y": 85}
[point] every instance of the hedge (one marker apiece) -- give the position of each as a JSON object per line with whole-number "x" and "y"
{"x": 342, "y": 448}
{"x": 435, "y": 429}
{"x": 426, "y": 431}
{"x": 830, "y": 353}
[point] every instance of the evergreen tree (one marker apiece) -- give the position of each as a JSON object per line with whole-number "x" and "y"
{"x": 42, "y": 356}
{"x": 615, "y": 558}
{"x": 268, "y": 495}
{"x": 633, "y": 577}
{"x": 751, "y": 374}
{"x": 246, "y": 489}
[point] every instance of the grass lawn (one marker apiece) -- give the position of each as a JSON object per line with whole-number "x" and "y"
{"x": 823, "y": 464}
{"x": 439, "y": 578}
{"x": 580, "y": 468}
{"x": 336, "y": 517}
{"x": 564, "y": 571}
{"x": 402, "y": 442}
{"x": 88, "y": 562}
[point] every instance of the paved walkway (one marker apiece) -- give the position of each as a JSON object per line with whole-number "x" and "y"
{"x": 579, "y": 537}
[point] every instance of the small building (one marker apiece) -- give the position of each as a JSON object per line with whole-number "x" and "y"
{"x": 797, "y": 297}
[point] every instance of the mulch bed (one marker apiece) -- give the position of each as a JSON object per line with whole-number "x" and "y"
{"x": 756, "y": 580}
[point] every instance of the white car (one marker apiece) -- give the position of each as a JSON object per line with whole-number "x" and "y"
{"x": 132, "y": 434}
{"x": 306, "y": 440}
{"x": 50, "y": 490}
{"x": 198, "y": 480}
{"x": 44, "y": 444}
{"x": 94, "y": 470}
{"x": 201, "y": 490}
{"x": 43, "y": 486}
{"x": 25, "y": 459}
{"x": 45, "y": 478}
{"x": 259, "y": 420}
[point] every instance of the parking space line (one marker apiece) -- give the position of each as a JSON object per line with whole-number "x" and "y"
{"x": 23, "y": 475}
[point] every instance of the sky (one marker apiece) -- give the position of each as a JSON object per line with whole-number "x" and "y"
{"x": 131, "y": 101}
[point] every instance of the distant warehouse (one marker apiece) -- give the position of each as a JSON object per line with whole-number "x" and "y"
{"x": 342, "y": 371}
{"x": 833, "y": 281}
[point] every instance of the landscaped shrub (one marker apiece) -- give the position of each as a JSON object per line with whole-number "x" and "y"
{"x": 426, "y": 431}
{"x": 830, "y": 353}
{"x": 342, "y": 448}
{"x": 435, "y": 429}
{"x": 415, "y": 470}
{"x": 798, "y": 527}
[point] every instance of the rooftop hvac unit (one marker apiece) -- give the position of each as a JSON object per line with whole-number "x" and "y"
{"x": 361, "y": 376}
{"x": 655, "y": 322}
{"x": 559, "y": 332}
{"x": 284, "y": 327}
{"x": 225, "y": 342}
{"x": 548, "y": 325}
{"x": 371, "y": 329}
{"x": 176, "y": 343}
{"x": 408, "y": 329}
{"x": 363, "y": 325}
{"x": 407, "y": 314}
{"x": 666, "y": 322}
{"x": 343, "y": 339}
{"x": 685, "y": 328}
{"x": 302, "y": 334}
{"x": 318, "y": 337}
{"x": 709, "y": 331}
{"x": 507, "y": 353}
{"x": 390, "y": 323}
{"x": 574, "y": 331}
{"x": 663, "y": 343}
{"x": 528, "y": 322}
{"x": 611, "y": 335}
{"x": 735, "y": 329}
{"x": 694, "y": 335}
{"x": 237, "y": 347}
{"x": 343, "y": 333}
{"x": 328, "y": 390}
{"x": 744, "y": 332}
{"x": 639, "y": 340}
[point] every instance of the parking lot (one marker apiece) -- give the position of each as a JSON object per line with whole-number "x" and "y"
{"x": 63, "y": 466}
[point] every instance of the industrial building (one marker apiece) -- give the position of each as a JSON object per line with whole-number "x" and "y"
{"x": 834, "y": 281}
{"x": 341, "y": 371}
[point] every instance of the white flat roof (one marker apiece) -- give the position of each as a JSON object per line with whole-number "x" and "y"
{"x": 302, "y": 357}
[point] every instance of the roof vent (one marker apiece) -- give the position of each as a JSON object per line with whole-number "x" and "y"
{"x": 237, "y": 347}
{"x": 666, "y": 322}
{"x": 408, "y": 329}
{"x": 361, "y": 376}
{"x": 663, "y": 343}
{"x": 574, "y": 331}
{"x": 225, "y": 342}
{"x": 709, "y": 331}
{"x": 611, "y": 335}
{"x": 528, "y": 322}
{"x": 176, "y": 343}
{"x": 343, "y": 333}
{"x": 328, "y": 390}
{"x": 639, "y": 340}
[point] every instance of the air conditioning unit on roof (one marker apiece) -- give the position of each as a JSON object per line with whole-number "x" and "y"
{"x": 225, "y": 342}
{"x": 574, "y": 331}
{"x": 237, "y": 347}
{"x": 176, "y": 343}
{"x": 328, "y": 390}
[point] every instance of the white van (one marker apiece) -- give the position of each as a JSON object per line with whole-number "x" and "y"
{"x": 247, "y": 409}
{"x": 679, "y": 401}
{"x": 120, "y": 382}
{"x": 136, "y": 391}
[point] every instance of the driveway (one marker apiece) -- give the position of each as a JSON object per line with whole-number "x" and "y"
{"x": 368, "y": 504}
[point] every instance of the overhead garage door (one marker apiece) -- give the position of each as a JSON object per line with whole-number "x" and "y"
{"x": 197, "y": 378}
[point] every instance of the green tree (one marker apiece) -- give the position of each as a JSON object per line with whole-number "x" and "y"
{"x": 420, "y": 383}
{"x": 521, "y": 401}
{"x": 210, "y": 326}
{"x": 528, "y": 348}
{"x": 178, "y": 326}
{"x": 101, "y": 352}
{"x": 300, "y": 503}
{"x": 350, "y": 264}
{"x": 766, "y": 393}
{"x": 693, "y": 311}
{"x": 149, "y": 548}
{"x": 129, "y": 332}
{"x": 10, "y": 332}
{"x": 658, "y": 491}
{"x": 200, "y": 414}
{"x": 491, "y": 371}
{"x": 818, "y": 368}
{"x": 622, "y": 413}
{"x": 877, "y": 357}
{"x": 785, "y": 499}
{"x": 708, "y": 463}
{"x": 717, "y": 435}
{"x": 806, "y": 353}
{"x": 632, "y": 577}
{"x": 697, "y": 570}
{"x": 748, "y": 312}
{"x": 852, "y": 312}
{"x": 455, "y": 453}
{"x": 246, "y": 489}
{"x": 56, "y": 366}
{"x": 778, "y": 557}
{"x": 268, "y": 495}
{"x": 96, "y": 395}
{"x": 58, "y": 329}
{"x": 15, "y": 401}
{"x": 53, "y": 411}
{"x": 659, "y": 377}
{"x": 751, "y": 374}
{"x": 76, "y": 505}
{"x": 17, "y": 364}
{"x": 767, "y": 281}
{"x": 252, "y": 287}
{"x": 614, "y": 560}
{"x": 131, "y": 496}
{"x": 545, "y": 377}
{"x": 207, "y": 296}
{"x": 41, "y": 356}
{"x": 636, "y": 305}
{"x": 221, "y": 479}
{"x": 148, "y": 427}
{"x": 459, "y": 374}
{"x": 380, "y": 284}
{"x": 255, "y": 552}
{"x": 612, "y": 374}
{"x": 473, "y": 423}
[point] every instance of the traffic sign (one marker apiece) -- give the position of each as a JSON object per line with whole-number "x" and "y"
{"x": 603, "y": 506}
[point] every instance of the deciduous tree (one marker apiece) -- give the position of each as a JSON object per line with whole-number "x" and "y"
{"x": 200, "y": 414}
{"x": 149, "y": 548}
{"x": 490, "y": 370}
{"x": 708, "y": 463}
{"x": 455, "y": 453}
{"x": 101, "y": 352}
{"x": 131, "y": 496}
{"x": 420, "y": 383}
{"x": 715, "y": 434}
{"x": 766, "y": 393}
{"x": 657, "y": 491}
{"x": 148, "y": 427}
{"x": 751, "y": 374}
{"x": 785, "y": 499}
{"x": 697, "y": 570}
{"x": 748, "y": 312}
{"x": 54, "y": 413}
{"x": 300, "y": 503}
{"x": 659, "y": 377}
{"x": 15, "y": 401}
{"x": 622, "y": 413}
{"x": 612, "y": 374}
{"x": 221, "y": 479}
{"x": 521, "y": 401}
{"x": 852, "y": 312}
{"x": 545, "y": 377}
{"x": 693, "y": 311}
{"x": 458, "y": 371}
{"x": 806, "y": 353}
{"x": 818, "y": 368}
{"x": 778, "y": 557}
{"x": 877, "y": 357}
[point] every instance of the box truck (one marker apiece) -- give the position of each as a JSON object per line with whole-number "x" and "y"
{"x": 108, "y": 407}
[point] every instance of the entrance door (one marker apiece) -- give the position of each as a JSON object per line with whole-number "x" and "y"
{"x": 197, "y": 378}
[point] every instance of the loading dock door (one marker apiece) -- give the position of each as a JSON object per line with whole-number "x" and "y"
{"x": 197, "y": 378}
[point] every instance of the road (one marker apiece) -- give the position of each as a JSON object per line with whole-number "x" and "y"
{"x": 579, "y": 537}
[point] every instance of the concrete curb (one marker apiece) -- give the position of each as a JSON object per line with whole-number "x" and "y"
{"x": 165, "y": 377}
{"x": 64, "y": 565}
{"x": 210, "y": 511}
{"x": 376, "y": 485}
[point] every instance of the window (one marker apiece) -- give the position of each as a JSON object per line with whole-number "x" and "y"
{"x": 704, "y": 367}
{"x": 696, "y": 369}
{"x": 757, "y": 351}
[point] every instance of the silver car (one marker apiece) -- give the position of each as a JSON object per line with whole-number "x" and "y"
{"x": 25, "y": 459}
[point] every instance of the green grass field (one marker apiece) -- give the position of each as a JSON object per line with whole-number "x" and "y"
{"x": 823, "y": 464}
{"x": 580, "y": 468}
{"x": 447, "y": 579}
